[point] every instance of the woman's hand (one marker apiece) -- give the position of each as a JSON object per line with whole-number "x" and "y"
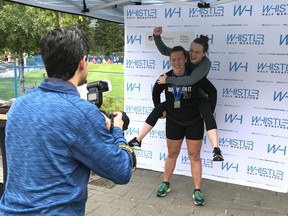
{"x": 163, "y": 115}
{"x": 157, "y": 31}
{"x": 162, "y": 79}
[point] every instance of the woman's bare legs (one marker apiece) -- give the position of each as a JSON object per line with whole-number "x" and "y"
{"x": 213, "y": 137}
{"x": 144, "y": 131}
{"x": 194, "y": 149}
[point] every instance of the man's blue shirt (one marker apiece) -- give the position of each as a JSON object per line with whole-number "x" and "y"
{"x": 53, "y": 140}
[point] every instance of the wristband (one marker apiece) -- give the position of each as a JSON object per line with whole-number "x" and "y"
{"x": 131, "y": 151}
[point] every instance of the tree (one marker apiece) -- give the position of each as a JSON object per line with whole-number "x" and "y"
{"x": 108, "y": 37}
{"x": 21, "y": 29}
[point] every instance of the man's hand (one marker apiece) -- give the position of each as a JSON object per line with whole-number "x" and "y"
{"x": 107, "y": 121}
{"x": 157, "y": 31}
{"x": 118, "y": 119}
{"x": 162, "y": 79}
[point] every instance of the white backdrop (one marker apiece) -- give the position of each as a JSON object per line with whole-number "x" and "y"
{"x": 249, "y": 52}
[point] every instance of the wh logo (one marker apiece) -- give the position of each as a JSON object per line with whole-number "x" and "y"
{"x": 239, "y": 10}
{"x": 283, "y": 39}
{"x": 185, "y": 160}
{"x": 132, "y": 131}
{"x": 132, "y": 86}
{"x": 171, "y": 11}
{"x": 274, "y": 149}
{"x": 236, "y": 66}
{"x": 227, "y": 166}
{"x": 231, "y": 118}
{"x": 134, "y": 39}
{"x": 280, "y": 96}
{"x": 162, "y": 156}
{"x": 166, "y": 64}
{"x": 211, "y": 39}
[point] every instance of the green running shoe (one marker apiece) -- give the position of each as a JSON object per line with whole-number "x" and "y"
{"x": 163, "y": 190}
{"x": 198, "y": 198}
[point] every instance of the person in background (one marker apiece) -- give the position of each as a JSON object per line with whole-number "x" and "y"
{"x": 54, "y": 138}
{"x": 200, "y": 65}
{"x": 6, "y": 56}
{"x": 183, "y": 120}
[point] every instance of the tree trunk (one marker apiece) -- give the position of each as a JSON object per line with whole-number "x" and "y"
{"x": 21, "y": 71}
{"x": 60, "y": 18}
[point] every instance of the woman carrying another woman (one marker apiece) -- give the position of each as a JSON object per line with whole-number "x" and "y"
{"x": 199, "y": 64}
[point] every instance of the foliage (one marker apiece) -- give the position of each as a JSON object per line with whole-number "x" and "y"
{"x": 22, "y": 27}
{"x": 108, "y": 37}
{"x": 112, "y": 104}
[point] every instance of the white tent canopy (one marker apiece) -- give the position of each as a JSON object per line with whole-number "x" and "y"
{"x": 111, "y": 10}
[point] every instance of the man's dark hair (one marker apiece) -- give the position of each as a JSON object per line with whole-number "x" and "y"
{"x": 62, "y": 49}
{"x": 178, "y": 48}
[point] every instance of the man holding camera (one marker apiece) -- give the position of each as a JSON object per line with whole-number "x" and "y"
{"x": 54, "y": 138}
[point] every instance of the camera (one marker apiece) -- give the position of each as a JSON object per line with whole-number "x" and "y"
{"x": 95, "y": 96}
{"x": 95, "y": 92}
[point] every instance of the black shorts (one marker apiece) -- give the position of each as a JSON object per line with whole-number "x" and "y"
{"x": 192, "y": 132}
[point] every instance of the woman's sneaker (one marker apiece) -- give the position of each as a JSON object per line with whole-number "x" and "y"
{"x": 135, "y": 144}
{"x": 163, "y": 189}
{"x": 217, "y": 154}
{"x": 198, "y": 198}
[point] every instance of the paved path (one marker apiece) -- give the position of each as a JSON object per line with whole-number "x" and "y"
{"x": 138, "y": 198}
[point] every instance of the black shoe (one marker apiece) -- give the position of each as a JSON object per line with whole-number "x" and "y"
{"x": 134, "y": 143}
{"x": 217, "y": 154}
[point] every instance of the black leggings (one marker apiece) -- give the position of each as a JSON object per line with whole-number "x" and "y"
{"x": 203, "y": 106}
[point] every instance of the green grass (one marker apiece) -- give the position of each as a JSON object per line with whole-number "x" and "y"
{"x": 113, "y": 73}
{"x": 6, "y": 88}
{"x": 112, "y": 101}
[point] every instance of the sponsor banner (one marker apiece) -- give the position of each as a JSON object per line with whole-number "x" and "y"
{"x": 248, "y": 52}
